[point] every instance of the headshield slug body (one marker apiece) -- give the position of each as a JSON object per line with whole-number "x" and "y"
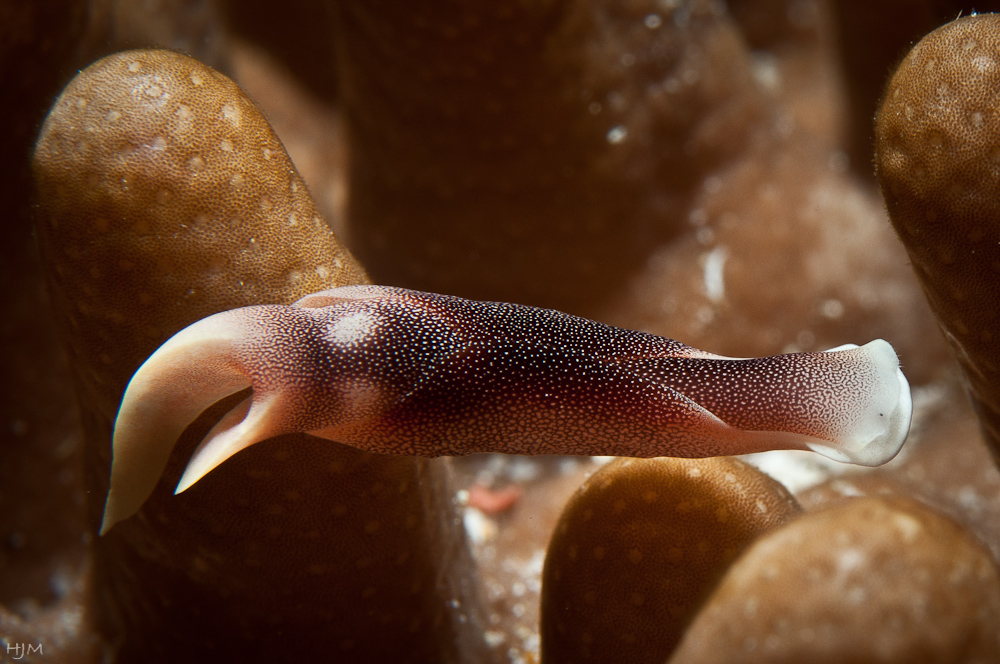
{"x": 403, "y": 372}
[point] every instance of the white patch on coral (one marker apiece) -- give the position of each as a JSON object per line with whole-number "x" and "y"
{"x": 714, "y": 274}
{"x": 480, "y": 528}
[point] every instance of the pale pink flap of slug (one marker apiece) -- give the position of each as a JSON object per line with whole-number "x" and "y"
{"x": 402, "y": 372}
{"x": 184, "y": 376}
{"x": 326, "y": 298}
{"x": 872, "y": 426}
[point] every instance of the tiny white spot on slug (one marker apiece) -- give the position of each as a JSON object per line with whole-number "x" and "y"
{"x": 353, "y": 329}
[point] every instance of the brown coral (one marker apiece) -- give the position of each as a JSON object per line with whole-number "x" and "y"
{"x": 938, "y": 159}
{"x": 870, "y": 580}
{"x": 533, "y": 153}
{"x": 35, "y": 413}
{"x": 638, "y": 548}
{"x": 165, "y": 197}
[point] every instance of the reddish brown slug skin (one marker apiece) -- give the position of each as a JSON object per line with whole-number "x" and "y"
{"x": 396, "y": 371}
{"x": 163, "y": 197}
{"x": 639, "y": 547}
{"x": 533, "y": 153}
{"x": 938, "y": 160}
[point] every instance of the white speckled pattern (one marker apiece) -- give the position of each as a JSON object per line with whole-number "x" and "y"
{"x": 403, "y": 372}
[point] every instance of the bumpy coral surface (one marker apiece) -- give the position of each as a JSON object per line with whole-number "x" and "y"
{"x": 938, "y": 158}
{"x": 639, "y": 546}
{"x": 867, "y": 580}
{"x": 699, "y": 170}
{"x": 165, "y": 196}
